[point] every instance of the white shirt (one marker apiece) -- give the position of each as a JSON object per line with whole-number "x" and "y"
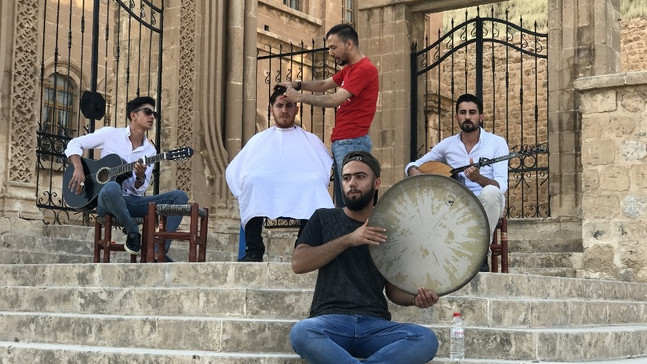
{"x": 281, "y": 173}
{"x": 451, "y": 151}
{"x": 113, "y": 140}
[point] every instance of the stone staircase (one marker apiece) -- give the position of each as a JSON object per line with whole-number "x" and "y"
{"x": 227, "y": 312}
{"x": 545, "y": 246}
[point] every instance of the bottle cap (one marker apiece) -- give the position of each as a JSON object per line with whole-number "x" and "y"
{"x": 457, "y": 314}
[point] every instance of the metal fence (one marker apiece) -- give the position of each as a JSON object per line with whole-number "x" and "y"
{"x": 96, "y": 55}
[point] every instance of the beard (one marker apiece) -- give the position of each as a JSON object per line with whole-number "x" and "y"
{"x": 469, "y": 127}
{"x": 358, "y": 203}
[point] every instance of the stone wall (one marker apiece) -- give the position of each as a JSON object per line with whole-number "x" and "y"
{"x": 634, "y": 45}
{"x": 614, "y": 175}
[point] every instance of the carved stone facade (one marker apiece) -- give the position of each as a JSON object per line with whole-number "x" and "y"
{"x": 19, "y": 43}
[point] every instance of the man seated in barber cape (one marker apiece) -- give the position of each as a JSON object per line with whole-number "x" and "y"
{"x": 283, "y": 171}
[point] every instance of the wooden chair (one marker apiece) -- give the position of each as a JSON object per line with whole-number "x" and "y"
{"x": 499, "y": 247}
{"x": 196, "y": 236}
{"x": 103, "y": 239}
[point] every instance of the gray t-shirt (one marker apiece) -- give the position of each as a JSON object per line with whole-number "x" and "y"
{"x": 350, "y": 284}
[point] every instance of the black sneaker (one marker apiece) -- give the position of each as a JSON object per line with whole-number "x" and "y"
{"x": 167, "y": 259}
{"x": 133, "y": 243}
{"x": 251, "y": 258}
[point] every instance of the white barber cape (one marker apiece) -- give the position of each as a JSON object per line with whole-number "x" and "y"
{"x": 281, "y": 173}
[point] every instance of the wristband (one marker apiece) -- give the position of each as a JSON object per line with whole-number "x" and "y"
{"x": 140, "y": 179}
{"x": 298, "y": 88}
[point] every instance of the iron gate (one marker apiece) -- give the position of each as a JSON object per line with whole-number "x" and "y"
{"x": 506, "y": 66}
{"x": 90, "y": 68}
{"x": 297, "y": 63}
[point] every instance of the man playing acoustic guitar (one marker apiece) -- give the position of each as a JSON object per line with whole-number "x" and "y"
{"x": 489, "y": 183}
{"x": 125, "y": 199}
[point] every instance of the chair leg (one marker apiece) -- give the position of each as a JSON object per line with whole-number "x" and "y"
{"x": 107, "y": 234}
{"x": 193, "y": 233}
{"x": 98, "y": 231}
{"x": 150, "y": 222}
{"x": 494, "y": 258}
{"x": 160, "y": 240}
{"x": 504, "y": 245}
{"x": 204, "y": 222}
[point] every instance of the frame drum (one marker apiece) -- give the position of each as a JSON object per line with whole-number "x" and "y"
{"x": 437, "y": 234}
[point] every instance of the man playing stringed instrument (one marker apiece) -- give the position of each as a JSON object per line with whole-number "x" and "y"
{"x": 489, "y": 183}
{"x": 125, "y": 199}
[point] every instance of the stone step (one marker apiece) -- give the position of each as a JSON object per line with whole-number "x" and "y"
{"x": 36, "y": 352}
{"x": 280, "y": 276}
{"x": 543, "y": 260}
{"x": 552, "y": 272}
{"x": 543, "y": 245}
{"x": 14, "y": 352}
{"x": 46, "y": 244}
{"x": 210, "y": 274}
{"x": 294, "y": 304}
{"x": 11, "y": 256}
{"x": 73, "y": 240}
{"x": 547, "y": 228}
{"x": 236, "y": 335}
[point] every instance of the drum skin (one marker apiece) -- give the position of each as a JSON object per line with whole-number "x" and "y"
{"x": 437, "y": 234}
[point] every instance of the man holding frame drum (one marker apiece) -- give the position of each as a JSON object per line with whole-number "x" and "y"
{"x": 349, "y": 316}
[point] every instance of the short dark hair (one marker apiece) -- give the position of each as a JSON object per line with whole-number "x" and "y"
{"x": 364, "y": 157}
{"x": 469, "y": 98}
{"x": 278, "y": 91}
{"x": 344, "y": 32}
{"x": 135, "y": 103}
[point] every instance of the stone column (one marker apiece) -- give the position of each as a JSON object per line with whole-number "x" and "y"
{"x": 180, "y": 57}
{"x": 386, "y": 33}
{"x": 583, "y": 40}
{"x": 19, "y": 45}
{"x": 614, "y": 176}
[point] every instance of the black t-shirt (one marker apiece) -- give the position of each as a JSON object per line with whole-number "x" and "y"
{"x": 350, "y": 284}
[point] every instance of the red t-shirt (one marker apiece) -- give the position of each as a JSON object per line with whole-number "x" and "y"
{"x": 354, "y": 116}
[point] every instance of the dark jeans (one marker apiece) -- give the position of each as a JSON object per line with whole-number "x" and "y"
{"x": 124, "y": 208}
{"x": 253, "y": 238}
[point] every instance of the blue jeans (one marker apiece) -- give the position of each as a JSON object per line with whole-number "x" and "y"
{"x": 339, "y": 150}
{"x": 124, "y": 208}
{"x": 341, "y": 339}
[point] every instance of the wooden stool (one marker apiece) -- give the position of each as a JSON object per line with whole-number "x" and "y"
{"x": 196, "y": 236}
{"x": 103, "y": 239}
{"x": 500, "y": 248}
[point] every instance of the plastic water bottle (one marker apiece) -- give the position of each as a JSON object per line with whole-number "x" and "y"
{"x": 457, "y": 337}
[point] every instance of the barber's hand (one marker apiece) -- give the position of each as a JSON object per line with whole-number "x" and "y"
{"x": 292, "y": 95}
{"x": 425, "y": 298}
{"x": 371, "y": 235}
{"x": 472, "y": 173}
{"x": 287, "y": 84}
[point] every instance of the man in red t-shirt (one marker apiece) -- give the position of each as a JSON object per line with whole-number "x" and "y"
{"x": 355, "y": 98}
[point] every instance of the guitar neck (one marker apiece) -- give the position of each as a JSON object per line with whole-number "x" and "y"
{"x": 485, "y": 162}
{"x": 127, "y": 167}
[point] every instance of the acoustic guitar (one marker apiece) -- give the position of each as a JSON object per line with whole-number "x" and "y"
{"x": 109, "y": 168}
{"x": 443, "y": 169}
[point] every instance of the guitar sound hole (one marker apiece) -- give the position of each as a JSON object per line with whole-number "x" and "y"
{"x": 103, "y": 175}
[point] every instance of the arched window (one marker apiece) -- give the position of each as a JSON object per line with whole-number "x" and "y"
{"x": 58, "y": 101}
